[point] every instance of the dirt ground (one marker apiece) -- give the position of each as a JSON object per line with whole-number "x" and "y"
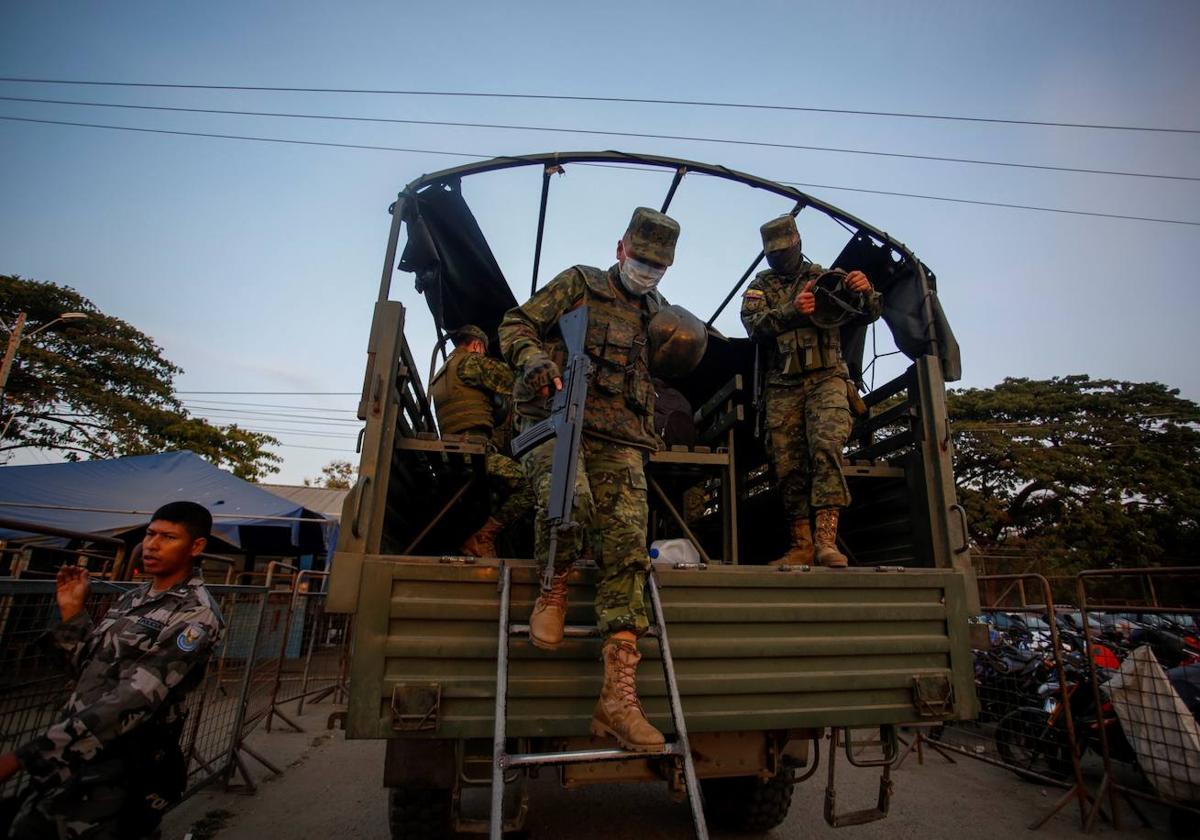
{"x": 331, "y": 787}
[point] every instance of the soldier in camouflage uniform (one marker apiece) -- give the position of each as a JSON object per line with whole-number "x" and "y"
{"x": 618, "y": 434}
{"x": 111, "y": 765}
{"x": 808, "y": 391}
{"x": 467, "y": 394}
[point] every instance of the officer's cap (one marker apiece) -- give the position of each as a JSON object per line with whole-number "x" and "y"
{"x": 469, "y": 331}
{"x": 779, "y": 234}
{"x": 651, "y": 236}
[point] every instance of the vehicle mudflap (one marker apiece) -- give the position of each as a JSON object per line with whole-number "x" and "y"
{"x": 887, "y": 737}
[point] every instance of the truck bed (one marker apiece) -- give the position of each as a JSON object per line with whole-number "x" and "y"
{"x": 755, "y": 648}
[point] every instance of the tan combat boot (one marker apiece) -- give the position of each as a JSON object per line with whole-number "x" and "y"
{"x": 827, "y": 551}
{"x": 618, "y": 712}
{"x": 549, "y": 615}
{"x": 801, "y": 552}
{"x": 483, "y": 542}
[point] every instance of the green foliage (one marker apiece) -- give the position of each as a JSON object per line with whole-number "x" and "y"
{"x": 100, "y": 388}
{"x": 336, "y": 475}
{"x": 1082, "y": 472}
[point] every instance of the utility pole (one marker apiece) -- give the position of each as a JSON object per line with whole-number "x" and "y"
{"x": 14, "y": 339}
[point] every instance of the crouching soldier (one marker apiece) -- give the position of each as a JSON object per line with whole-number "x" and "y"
{"x": 468, "y": 393}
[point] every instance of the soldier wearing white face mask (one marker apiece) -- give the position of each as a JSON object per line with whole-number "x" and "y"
{"x": 618, "y": 434}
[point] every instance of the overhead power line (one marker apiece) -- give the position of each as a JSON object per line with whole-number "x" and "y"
{"x": 270, "y": 405}
{"x": 280, "y": 393}
{"x": 476, "y": 156}
{"x": 616, "y": 99}
{"x": 608, "y": 133}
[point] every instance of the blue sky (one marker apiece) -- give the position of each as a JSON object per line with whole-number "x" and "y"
{"x": 255, "y": 265}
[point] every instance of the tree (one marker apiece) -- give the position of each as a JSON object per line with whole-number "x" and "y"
{"x": 336, "y": 475}
{"x": 1083, "y": 473}
{"x": 100, "y": 388}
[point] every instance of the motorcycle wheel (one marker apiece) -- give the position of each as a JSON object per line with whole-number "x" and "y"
{"x": 1031, "y": 747}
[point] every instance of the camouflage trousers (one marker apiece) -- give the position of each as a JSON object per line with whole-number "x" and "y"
{"x": 808, "y": 424}
{"x": 512, "y": 496}
{"x": 96, "y": 812}
{"x": 610, "y": 504}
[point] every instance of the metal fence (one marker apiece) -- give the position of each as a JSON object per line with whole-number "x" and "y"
{"x": 1090, "y": 698}
{"x": 279, "y": 647}
{"x": 314, "y": 657}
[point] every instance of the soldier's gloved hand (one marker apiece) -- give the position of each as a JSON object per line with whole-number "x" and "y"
{"x": 541, "y": 372}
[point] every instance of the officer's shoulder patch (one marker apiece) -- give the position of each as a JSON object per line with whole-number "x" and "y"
{"x": 750, "y": 294}
{"x": 189, "y": 638}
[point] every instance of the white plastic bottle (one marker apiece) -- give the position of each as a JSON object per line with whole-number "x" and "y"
{"x": 673, "y": 552}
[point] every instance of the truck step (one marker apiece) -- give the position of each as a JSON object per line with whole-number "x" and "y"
{"x": 574, "y": 631}
{"x": 581, "y": 756}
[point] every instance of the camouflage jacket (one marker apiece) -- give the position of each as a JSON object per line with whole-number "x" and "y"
{"x": 620, "y": 399}
{"x": 770, "y": 317}
{"x": 134, "y": 667}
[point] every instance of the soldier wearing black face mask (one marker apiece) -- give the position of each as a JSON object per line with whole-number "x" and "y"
{"x": 808, "y": 411}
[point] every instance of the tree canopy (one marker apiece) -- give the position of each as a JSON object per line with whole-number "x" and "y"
{"x": 338, "y": 474}
{"x": 101, "y": 388}
{"x": 1083, "y": 472}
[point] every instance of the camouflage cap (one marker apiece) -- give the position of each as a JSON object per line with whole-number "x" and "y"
{"x": 467, "y": 332}
{"x": 651, "y": 236}
{"x": 780, "y": 233}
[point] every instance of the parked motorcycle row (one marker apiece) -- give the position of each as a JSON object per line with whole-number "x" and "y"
{"x": 1017, "y": 680}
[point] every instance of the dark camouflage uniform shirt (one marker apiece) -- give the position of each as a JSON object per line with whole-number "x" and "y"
{"x": 136, "y": 664}
{"x": 487, "y": 373}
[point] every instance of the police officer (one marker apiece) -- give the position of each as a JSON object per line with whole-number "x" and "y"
{"x": 808, "y": 391}
{"x": 111, "y": 764}
{"x": 467, "y": 393}
{"x": 618, "y": 434}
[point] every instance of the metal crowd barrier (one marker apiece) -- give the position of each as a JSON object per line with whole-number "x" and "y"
{"x": 314, "y": 656}
{"x": 1023, "y": 679}
{"x": 1147, "y": 737}
{"x": 1091, "y": 698}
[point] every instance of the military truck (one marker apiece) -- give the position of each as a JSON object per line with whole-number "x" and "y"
{"x": 769, "y": 662}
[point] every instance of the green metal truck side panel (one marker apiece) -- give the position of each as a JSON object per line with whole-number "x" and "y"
{"x": 754, "y": 648}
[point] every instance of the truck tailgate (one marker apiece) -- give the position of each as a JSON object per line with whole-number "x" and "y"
{"x": 754, "y": 648}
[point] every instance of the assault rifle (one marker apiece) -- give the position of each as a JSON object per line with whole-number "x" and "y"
{"x": 565, "y": 425}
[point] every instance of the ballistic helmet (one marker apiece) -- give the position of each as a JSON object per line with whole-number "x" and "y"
{"x": 836, "y": 303}
{"x": 678, "y": 340}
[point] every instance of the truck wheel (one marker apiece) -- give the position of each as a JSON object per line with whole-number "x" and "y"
{"x": 747, "y": 803}
{"x": 417, "y": 813}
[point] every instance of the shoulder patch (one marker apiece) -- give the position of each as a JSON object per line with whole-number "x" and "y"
{"x": 189, "y": 638}
{"x": 753, "y": 293}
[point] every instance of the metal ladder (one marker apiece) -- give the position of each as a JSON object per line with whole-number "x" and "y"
{"x": 502, "y": 760}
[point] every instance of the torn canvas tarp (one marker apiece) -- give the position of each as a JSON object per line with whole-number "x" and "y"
{"x": 1163, "y": 732}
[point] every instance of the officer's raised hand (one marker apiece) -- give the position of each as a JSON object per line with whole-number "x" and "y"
{"x": 856, "y": 281}
{"x": 806, "y": 301}
{"x": 71, "y": 587}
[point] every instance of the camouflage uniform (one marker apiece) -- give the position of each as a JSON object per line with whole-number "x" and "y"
{"x": 102, "y": 770}
{"x": 611, "y": 485}
{"x": 808, "y": 413}
{"x": 464, "y": 393}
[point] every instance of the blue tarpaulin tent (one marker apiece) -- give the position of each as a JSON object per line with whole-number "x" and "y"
{"x": 114, "y": 496}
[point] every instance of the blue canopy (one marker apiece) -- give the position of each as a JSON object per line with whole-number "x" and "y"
{"x": 114, "y": 496}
